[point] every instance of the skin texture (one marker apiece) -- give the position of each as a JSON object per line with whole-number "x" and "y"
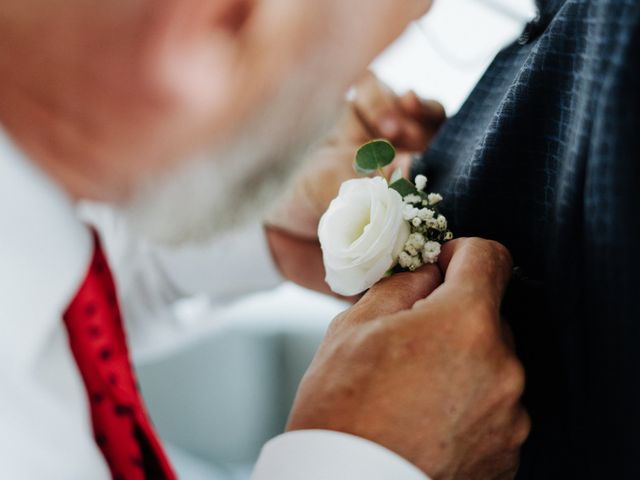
{"x": 421, "y": 365}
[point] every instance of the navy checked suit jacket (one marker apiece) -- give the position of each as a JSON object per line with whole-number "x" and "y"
{"x": 545, "y": 158}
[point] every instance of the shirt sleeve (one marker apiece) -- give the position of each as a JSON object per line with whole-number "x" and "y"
{"x": 328, "y": 455}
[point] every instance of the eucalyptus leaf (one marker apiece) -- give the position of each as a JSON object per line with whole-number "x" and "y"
{"x": 374, "y": 155}
{"x": 404, "y": 187}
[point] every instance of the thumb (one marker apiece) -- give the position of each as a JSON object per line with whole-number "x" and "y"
{"x": 396, "y": 293}
{"x": 477, "y": 272}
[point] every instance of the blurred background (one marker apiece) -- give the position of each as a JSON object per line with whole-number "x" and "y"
{"x": 227, "y": 388}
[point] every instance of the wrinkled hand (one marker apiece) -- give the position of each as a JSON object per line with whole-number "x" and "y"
{"x": 376, "y": 112}
{"x": 425, "y": 369}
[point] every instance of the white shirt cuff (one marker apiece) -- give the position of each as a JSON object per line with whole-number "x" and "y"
{"x": 328, "y": 455}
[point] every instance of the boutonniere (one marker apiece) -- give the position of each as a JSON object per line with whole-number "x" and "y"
{"x": 377, "y": 226}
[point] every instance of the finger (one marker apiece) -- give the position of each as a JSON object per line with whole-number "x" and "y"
{"x": 406, "y": 121}
{"x": 428, "y": 112}
{"x": 414, "y": 136}
{"x": 476, "y": 271}
{"x": 413, "y": 123}
{"x": 289, "y": 251}
{"x": 521, "y": 429}
{"x": 350, "y": 128}
{"x": 504, "y": 465}
{"x": 375, "y": 103}
{"x": 397, "y": 293}
{"x": 405, "y": 132}
{"x": 509, "y": 339}
{"x": 510, "y": 459}
{"x": 390, "y": 126}
{"x": 412, "y": 105}
{"x": 419, "y": 121}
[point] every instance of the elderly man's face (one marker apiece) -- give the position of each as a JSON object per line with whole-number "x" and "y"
{"x": 127, "y": 89}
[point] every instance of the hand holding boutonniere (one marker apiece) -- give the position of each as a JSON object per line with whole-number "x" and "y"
{"x": 376, "y": 226}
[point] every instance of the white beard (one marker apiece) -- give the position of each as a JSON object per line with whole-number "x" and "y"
{"x": 238, "y": 182}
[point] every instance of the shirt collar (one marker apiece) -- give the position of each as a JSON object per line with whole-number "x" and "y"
{"x": 44, "y": 253}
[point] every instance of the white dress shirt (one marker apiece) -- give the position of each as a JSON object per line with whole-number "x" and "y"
{"x": 45, "y": 249}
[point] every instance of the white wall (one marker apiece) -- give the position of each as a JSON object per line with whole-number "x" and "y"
{"x": 443, "y": 55}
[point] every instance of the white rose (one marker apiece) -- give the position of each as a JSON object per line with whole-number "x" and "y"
{"x": 362, "y": 235}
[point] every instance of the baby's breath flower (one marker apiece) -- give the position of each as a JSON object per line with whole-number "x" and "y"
{"x": 416, "y": 263}
{"x": 432, "y": 223}
{"x": 416, "y": 239}
{"x": 409, "y": 212}
{"x": 414, "y": 244}
{"x": 448, "y": 236}
{"x": 413, "y": 198}
{"x": 416, "y": 222}
{"x": 421, "y": 182}
{"x": 410, "y": 262}
{"x": 430, "y": 252}
{"x": 405, "y": 260}
{"x": 434, "y": 198}
{"x": 411, "y": 250}
{"x": 425, "y": 214}
{"x": 442, "y": 222}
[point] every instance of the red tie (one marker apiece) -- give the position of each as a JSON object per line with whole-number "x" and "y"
{"x": 120, "y": 423}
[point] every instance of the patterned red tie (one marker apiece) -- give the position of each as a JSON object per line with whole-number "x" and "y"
{"x": 120, "y": 423}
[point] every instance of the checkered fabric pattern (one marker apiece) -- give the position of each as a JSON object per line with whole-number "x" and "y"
{"x": 545, "y": 158}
